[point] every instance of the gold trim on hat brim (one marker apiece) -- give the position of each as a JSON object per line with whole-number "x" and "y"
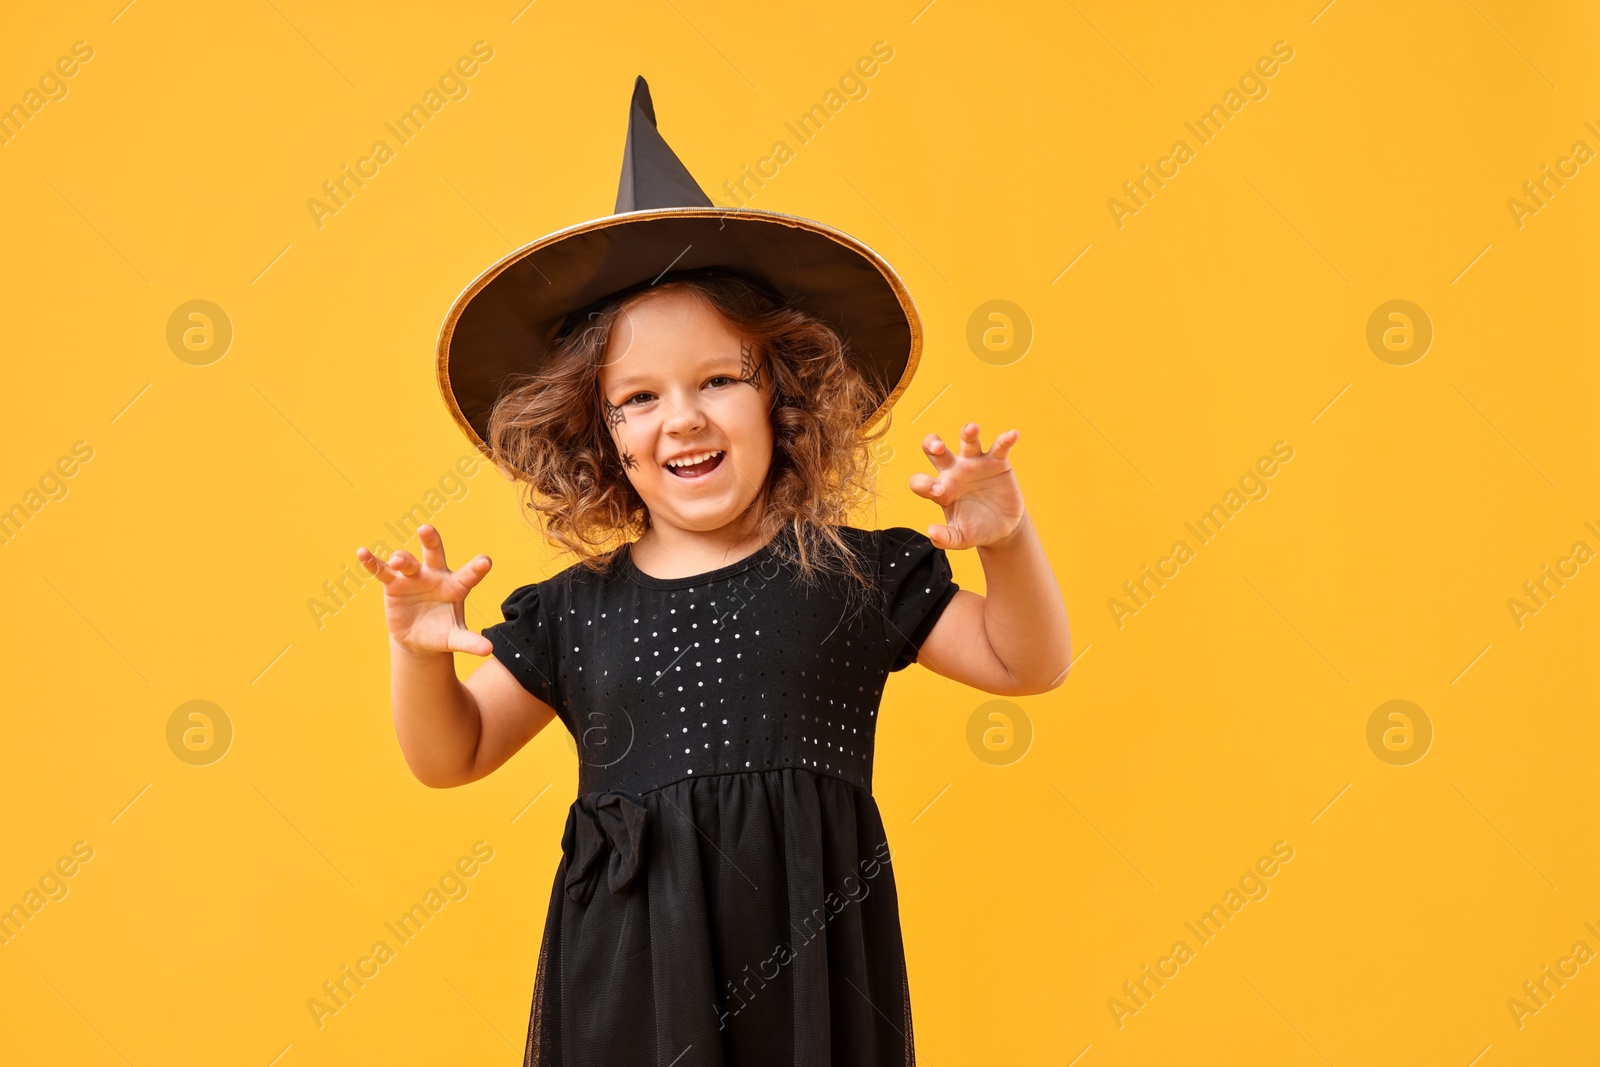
{"x": 865, "y": 252}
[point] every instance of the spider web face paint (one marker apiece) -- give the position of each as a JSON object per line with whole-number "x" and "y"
{"x": 749, "y": 370}
{"x": 615, "y": 417}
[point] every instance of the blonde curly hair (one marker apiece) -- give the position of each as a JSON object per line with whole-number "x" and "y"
{"x": 548, "y": 433}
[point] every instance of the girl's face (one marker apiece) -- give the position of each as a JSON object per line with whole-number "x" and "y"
{"x": 678, "y": 382}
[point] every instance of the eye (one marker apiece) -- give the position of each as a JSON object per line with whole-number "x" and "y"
{"x": 634, "y": 397}
{"x": 721, "y": 378}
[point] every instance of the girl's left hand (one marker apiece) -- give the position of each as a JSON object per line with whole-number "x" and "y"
{"x": 978, "y": 490}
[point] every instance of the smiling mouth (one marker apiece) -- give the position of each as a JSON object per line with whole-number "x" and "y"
{"x": 701, "y": 469}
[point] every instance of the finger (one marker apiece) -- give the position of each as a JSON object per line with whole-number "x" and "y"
{"x": 374, "y": 566}
{"x": 432, "y": 548}
{"x": 469, "y": 642}
{"x": 970, "y": 447}
{"x": 405, "y": 563}
{"x": 930, "y": 488}
{"x": 936, "y": 451}
{"x": 1002, "y": 444}
{"x": 946, "y": 537}
{"x": 473, "y": 573}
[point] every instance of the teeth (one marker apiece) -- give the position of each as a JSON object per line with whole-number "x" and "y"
{"x": 697, "y": 457}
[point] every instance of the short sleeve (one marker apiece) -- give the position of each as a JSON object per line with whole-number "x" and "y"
{"x": 917, "y": 587}
{"x": 524, "y": 642}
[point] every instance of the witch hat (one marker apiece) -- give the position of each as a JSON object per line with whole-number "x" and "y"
{"x": 664, "y": 225}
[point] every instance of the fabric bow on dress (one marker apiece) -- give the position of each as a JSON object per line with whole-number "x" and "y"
{"x": 594, "y": 821}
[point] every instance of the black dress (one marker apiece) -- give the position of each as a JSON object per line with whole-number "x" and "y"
{"x": 724, "y": 896}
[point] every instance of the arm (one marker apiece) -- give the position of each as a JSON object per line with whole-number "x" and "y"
{"x": 453, "y": 733}
{"x": 1013, "y": 642}
{"x": 450, "y": 733}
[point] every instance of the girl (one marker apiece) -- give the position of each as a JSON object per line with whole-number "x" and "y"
{"x": 724, "y": 896}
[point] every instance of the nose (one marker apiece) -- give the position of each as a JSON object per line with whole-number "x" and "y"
{"x": 683, "y": 415}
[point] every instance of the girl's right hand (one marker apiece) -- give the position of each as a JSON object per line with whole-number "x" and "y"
{"x": 425, "y": 602}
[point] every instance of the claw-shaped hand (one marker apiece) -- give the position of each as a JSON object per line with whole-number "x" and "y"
{"x": 424, "y": 600}
{"x": 978, "y": 490}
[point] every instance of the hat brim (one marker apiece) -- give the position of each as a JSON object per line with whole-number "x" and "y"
{"x": 505, "y": 321}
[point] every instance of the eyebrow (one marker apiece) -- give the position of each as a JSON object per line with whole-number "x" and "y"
{"x": 641, "y": 379}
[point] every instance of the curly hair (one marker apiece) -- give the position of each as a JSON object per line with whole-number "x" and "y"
{"x": 548, "y": 432}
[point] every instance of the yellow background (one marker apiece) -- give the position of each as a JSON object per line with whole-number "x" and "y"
{"x": 1228, "y": 314}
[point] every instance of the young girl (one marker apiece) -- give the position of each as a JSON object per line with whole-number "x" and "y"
{"x": 724, "y": 896}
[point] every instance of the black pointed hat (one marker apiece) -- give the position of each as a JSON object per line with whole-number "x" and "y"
{"x": 665, "y": 227}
